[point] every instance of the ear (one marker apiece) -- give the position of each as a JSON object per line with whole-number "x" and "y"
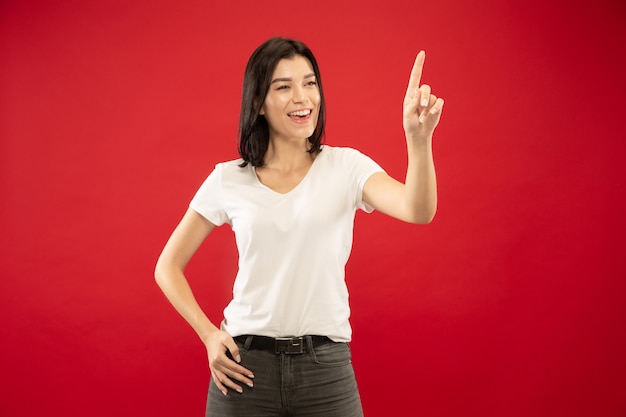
{"x": 262, "y": 112}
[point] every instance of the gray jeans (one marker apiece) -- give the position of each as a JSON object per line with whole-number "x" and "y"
{"x": 316, "y": 383}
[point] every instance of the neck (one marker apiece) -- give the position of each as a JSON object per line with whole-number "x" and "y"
{"x": 287, "y": 154}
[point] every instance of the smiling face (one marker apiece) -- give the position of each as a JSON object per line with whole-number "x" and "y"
{"x": 292, "y": 104}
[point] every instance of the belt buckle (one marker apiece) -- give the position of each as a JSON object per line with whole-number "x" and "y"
{"x": 290, "y": 345}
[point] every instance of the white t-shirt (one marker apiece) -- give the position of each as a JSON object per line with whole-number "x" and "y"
{"x": 293, "y": 247}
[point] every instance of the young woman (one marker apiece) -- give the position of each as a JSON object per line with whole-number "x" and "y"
{"x": 281, "y": 349}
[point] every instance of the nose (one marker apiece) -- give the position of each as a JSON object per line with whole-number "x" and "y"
{"x": 299, "y": 95}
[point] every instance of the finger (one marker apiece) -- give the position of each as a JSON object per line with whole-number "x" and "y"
{"x": 434, "y": 112}
{"x": 416, "y": 73}
{"x": 416, "y": 100}
{"x": 437, "y": 107}
{"x": 228, "y": 373}
{"x": 233, "y": 349}
{"x": 424, "y": 91}
{"x": 236, "y": 355}
{"x": 411, "y": 106}
{"x": 425, "y": 112}
{"x": 232, "y": 376}
{"x": 218, "y": 383}
{"x": 226, "y": 382}
{"x": 237, "y": 372}
{"x": 224, "y": 364}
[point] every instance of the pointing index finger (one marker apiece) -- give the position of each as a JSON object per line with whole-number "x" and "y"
{"x": 416, "y": 72}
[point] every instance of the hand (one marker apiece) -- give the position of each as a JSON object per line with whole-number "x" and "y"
{"x": 224, "y": 369}
{"x": 421, "y": 110}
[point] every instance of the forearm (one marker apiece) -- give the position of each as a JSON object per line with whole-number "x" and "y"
{"x": 177, "y": 290}
{"x": 421, "y": 115}
{"x": 421, "y": 180}
{"x": 169, "y": 271}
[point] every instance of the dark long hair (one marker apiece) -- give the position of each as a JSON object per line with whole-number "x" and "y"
{"x": 253, "y": 129}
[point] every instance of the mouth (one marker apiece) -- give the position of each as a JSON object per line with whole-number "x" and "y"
{"x": 300, "y": 116}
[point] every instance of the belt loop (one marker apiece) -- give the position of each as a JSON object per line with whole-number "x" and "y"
{"x": 309, "y": 343}
{"x": 246, "y": 345}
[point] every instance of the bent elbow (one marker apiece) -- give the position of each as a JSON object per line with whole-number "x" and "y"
{"x": 423, "y": 217}
{"x": 423, "y": 220}
{"x": 426, "y": 220}
{"x": 159, "y": 274}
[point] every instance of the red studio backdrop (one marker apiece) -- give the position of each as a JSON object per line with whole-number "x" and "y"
{"x": 511, "y": 303}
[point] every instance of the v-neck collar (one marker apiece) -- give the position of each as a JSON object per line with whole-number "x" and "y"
{"x": 297, "y": 186}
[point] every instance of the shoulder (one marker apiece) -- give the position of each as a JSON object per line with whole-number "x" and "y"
{"x": 229, "y": 165}
{"x": 352, "y": 162}
{"x": 228, "y": 172}
{"x": 340, "y": 153}
{"x": 230, "y": 169}
{"x": 344, "y": 155}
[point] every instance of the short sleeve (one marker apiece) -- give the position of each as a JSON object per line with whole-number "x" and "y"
{"x": 362, "y": 167}
{"x": 209, "y": 199}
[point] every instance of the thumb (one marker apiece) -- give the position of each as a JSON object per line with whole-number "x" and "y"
{"x": 411, "y": 103}
{"x": 233, "y": 349}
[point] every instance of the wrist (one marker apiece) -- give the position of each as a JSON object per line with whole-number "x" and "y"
{"x": 207, "y": 332}
{"x": 419, "y": 140}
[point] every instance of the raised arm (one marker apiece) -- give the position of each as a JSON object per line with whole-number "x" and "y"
{"x": 415, "y": 201}
{"x": 169, "y": 275}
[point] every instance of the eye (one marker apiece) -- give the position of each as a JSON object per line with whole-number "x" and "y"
{"x": 312, "y": 83}
{"x": 282, "y": 87}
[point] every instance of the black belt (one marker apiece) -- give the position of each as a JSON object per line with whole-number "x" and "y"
{"x": 287, "y": 345}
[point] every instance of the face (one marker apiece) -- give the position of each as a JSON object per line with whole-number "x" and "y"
{"x": 292, "y": 103}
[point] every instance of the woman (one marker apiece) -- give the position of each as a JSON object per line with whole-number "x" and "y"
{"x": 282, "y": 346}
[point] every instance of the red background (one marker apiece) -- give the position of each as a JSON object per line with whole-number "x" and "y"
{"x": 511, "y": 303}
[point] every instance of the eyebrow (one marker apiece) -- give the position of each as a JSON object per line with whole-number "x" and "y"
{"x": 279, "y": 80}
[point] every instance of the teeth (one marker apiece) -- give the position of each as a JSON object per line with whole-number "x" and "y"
{"x": 300, "y": 113}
